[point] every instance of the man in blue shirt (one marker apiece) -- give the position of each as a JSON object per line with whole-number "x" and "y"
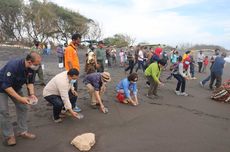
{"x": 217, "y": 71}
{"x": 13, "y": 76}
{"x": 95, "y": 84}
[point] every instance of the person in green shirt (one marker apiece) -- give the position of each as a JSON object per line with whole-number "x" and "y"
{"x": 152, "y": 74}
{"x": 100, "y": 55}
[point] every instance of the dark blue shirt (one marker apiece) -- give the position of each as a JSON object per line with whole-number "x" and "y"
{"x": 218, "y": 66}
{"x": 14, "y": 74}
{"x": 94, "y": 79}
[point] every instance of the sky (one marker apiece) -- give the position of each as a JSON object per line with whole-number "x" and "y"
{"x": 172, "y": 22}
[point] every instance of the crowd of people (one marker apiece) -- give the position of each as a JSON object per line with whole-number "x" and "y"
{"x": 62, "y": 90}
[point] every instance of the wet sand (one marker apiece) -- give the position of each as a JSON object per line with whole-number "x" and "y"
{"x": 169, "y": 124}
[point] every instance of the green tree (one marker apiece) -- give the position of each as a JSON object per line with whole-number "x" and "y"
{"x": 10, "y": 19}
{"x": 119, "y": 40}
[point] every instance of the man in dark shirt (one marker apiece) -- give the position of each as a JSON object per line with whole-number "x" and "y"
{"x": 13, "y": 76}
{"x": 95, "y": 83}
{"x": 217, "y": 71}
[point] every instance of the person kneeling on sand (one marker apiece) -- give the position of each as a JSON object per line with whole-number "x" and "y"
{"x": 152, "y": 74}
{"x": 57, "y": 90}
{"x": 95, "y": 84}
{"x": 127, "y": 90}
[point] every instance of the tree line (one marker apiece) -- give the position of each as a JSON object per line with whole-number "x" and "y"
{"x": 25, "y": 22}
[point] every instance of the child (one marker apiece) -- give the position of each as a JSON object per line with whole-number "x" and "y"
{"x": 122, "y": 57}
{"x": 205, "y": 63}
{"x": 127, "y": 90}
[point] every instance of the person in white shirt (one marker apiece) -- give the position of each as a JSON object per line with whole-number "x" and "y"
{"x": 57, "y": 90}
{"x": 140, "y": 60}
{"x": 200, "y": 59}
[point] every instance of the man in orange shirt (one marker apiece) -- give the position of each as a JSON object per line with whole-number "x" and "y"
{"x": 72, "y": 61}
{"x": 71, "y": 53}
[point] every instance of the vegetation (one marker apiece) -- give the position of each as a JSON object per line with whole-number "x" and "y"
{"x": 119, "y": 40}
{"x": 42, "y": 20}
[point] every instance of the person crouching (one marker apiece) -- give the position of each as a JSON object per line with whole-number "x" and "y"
{"x": 152, "y": 74}
{"x": 57, "y": 90}
{"x": 95, "y": 84}
{"x": 127, "y": 90}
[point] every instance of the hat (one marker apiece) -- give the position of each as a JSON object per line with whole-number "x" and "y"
{"x": 106, "y": 76}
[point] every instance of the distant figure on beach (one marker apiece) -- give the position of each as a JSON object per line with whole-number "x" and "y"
{"x": 101, "y": 56}
{"x": 39, "y": 71}
{"x": 200, "y": 60}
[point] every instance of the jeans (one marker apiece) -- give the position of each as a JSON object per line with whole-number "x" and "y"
{"x": 216, "y": 77}
{"x": 58, "y": 104}
{"x": 192, "y": 71}
{"x": 130, "y": 67}
{"x": 181, "y": 82}
{"x": 5, "y": 119}
{"x": 200, "y": 64}
{"x": 206, "y": 80}
{"x": 140, "y": 64}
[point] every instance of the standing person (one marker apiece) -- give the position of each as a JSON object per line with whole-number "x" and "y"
{"x": 156, "y": 55}
{"x": 91, "y": 63}
{"x": 13, "y": 76}
{"x": 130, "y": 58}
{"x": 57, "y": 91}
{"x": 122, "y": 57}
{"x": 95, "y": 84}
{"x": 152, "y": 74}
{"x": 192, "y": 67}
{"x": 216, "y": 54}
{"x": 128, "y": 88}
{"x": 140, "y": 60}
{"x": 205, "y": 63}
{"x": 181, "y": 73}
{"x": 48, "y": 48}
{"x": 108, "y": 56}
{"x": 100, "y": 54}
{"x": 114, "y": 55}
{"x": 72, "y": 59}
{"x": 60, "y": 54}
{"x": 200, "y": 59}
{"x": 173, "y": 61}
{"x": 217, "y": 71}
{"x": 39, "y": 71}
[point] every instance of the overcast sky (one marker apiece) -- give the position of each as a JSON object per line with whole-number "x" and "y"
{"x": 160, "y": 21}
